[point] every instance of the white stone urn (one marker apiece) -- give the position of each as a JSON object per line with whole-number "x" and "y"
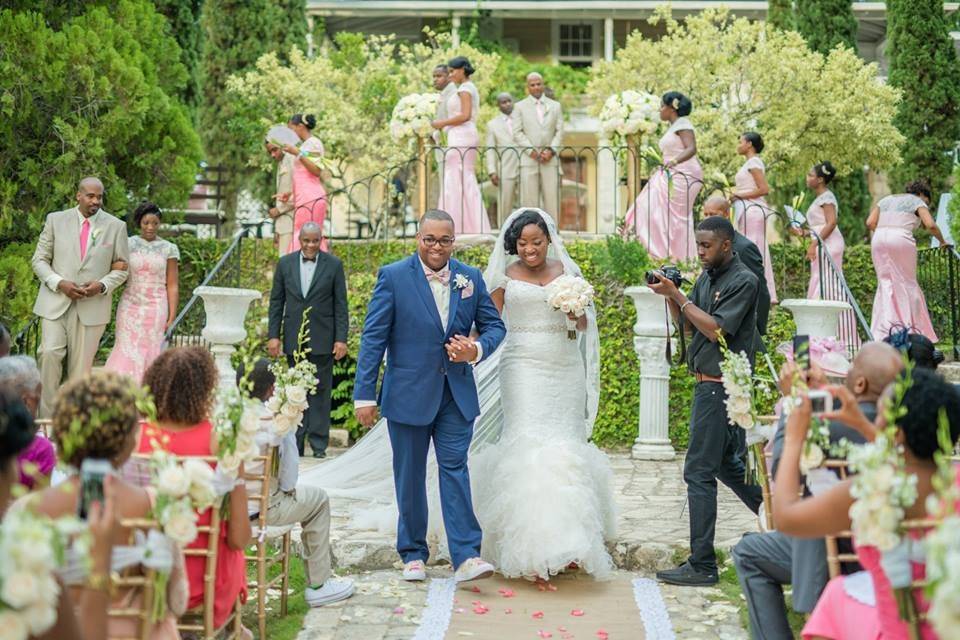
{"x": 816, "y": 318}
{"x": 226, "y": 309}
{"x": 651, "y": 333}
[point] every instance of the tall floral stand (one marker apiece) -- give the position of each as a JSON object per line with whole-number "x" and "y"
{"x": 226, "y": 309}
{"x": 423, "y": 174}
{"x": 816, "y": 318}
{"x": 651, "y": 332}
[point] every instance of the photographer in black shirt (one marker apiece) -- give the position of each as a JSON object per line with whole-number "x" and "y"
{"x": 724, "y": 298}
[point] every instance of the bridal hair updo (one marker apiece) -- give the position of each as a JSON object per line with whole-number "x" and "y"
{"x": 826, "y": 171}
{"x": 513, "y": 233}
{"x": 460, "y": 62}
{"x": 308, "y": 120}
{"x": 678, "y": 102}
{"x": 755, "y": 140}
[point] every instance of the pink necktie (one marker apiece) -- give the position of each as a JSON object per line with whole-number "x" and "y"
{"x": 84, "y": 237}
{"x": 541, "y": 111}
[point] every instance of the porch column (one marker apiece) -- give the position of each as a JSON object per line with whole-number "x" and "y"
{"x": 455, "y": 30}
{"x": 608, "y": 190}
{"x": 608, "y": 39}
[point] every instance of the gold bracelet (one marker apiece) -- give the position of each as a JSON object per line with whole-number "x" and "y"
{"x": 102, "y": 582}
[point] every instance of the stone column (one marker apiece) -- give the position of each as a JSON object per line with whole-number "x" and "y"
{"x": 608, "y": 39}
{"x": 455, "y": 31}
{"x": 651, "y": 333}
{"x": 816, "y": 318}
{"x": 608, "y": 188}
{"x": 226, "y": 309}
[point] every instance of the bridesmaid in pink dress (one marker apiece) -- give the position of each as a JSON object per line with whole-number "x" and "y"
{"x": 748, "y": 204}
{"x": 460, "y": 194}
{"x": 862, "y": 606}
{"x": 149, "y": 302}
{"x": 662, "y": 215}
{"x": 309, "y": 196}
{"x": 822, "y": 218}
{"x": 899, "y": 301}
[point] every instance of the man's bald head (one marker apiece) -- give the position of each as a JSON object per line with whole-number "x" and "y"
{"x": 89, "y": 182}
{"x": 876, "y": 366}
{"x": 716, "y": 206}
{"x": 89, "y": 196}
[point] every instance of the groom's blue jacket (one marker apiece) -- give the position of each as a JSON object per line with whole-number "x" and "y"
{"x": 402, "y": 320}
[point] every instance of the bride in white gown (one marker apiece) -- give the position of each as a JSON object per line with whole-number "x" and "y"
{"x": 542, "y": 493}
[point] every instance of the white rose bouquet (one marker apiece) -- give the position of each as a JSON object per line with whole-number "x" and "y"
{"x": 413, "y": 114}
{"x": 942, "y": 545}
{"x": 293, "y": 384}
{"x": 32, "y": 547}
{"x": 236, "y": 421}
{"x": 570, "y": 294}
{"x": 628, "y": 113}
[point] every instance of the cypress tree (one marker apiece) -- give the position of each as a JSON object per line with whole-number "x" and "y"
{"x": 923, "y": 64}
{"x": 826, "y": 24}
{"x": 780, "y": 14}
{"x": 184, "y": 19}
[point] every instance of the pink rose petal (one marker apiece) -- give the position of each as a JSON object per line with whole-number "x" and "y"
{"x": 399, "y": 611}
{"x": 506, "y": 593}
{"x": 538, "y": 614}
{"x": 544, "y": 634}
{"x": 480, "y": 610}
{"x": 475, "y": 589}
{"x": 577, "y": 613}
{"x": 603, "y": 635}
{"x": 508, "y": 611}
{"x": 459, "y": 610}
{"x": 551, "y": 587}
{"x": 562, "y": 629}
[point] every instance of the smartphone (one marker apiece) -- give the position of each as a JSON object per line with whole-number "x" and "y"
{"x": 801, "y": 351}
{"x": 822, "y": 401}
{"x": 92, "y": 473}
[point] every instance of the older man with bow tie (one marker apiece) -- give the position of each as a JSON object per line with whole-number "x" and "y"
{"x": 74, "y": 260}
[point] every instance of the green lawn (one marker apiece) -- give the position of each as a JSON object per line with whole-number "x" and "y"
{"x": 279, "y": 628}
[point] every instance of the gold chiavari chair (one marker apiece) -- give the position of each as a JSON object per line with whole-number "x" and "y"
{"x": 765, "y": 477}
{"x": 137, "y": 589}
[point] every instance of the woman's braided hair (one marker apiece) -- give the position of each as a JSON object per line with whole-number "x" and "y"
{"x": 182, "y": 381}
{"x": 94, "y": 416}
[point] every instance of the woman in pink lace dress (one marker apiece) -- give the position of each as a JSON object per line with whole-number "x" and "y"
{"x": 749, "y": 206}
{"x": 149, "y": 302}
{"x": 899, "y": 301}
{"x": 460, "y": 195}
{"x": 822, "y": 217}
{"x": 862, "y": 606}
{"x": 309, "y": 195}
{"x": 661, "y": 218}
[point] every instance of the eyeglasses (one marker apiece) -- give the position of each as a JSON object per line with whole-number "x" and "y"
{"x": 446, "y": 241}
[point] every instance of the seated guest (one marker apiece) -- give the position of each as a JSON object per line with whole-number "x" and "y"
{"x": 183, "y": 382}
{"x": 290, "y": 503}
{"x": 917, "y": 347}
{"x": 95, "y": 418}
{"x": 838, "y": 614}
{"x": 20, "y": 376}
{"x": 767, "y": 561}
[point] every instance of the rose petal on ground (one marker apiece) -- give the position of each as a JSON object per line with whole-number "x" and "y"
{"x": 459, "y": 610}
{"x": 603, "y": 635}
{"x": 537, "y": 614}
{"x": 399, "y": 611}
{"x": 506, "y": 593}
{"x": 480, "y": 610}
{"x": 551, "y": 587}
{"x": 544, "y": 634}
{"x": 577, "y": 613}
{"x": 475, "y": 589}
{"x": 508, "y": 611}
{"x": 562, "y": 629}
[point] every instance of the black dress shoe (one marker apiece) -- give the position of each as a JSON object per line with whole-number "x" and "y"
{"x": 319, "y": 454}
{"x": 686, "y": 576}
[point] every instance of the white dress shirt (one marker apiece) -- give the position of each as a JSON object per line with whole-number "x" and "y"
{"x": 307, "y": 269}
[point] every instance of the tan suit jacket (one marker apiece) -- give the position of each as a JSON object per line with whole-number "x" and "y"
{"x": 503, "y": 155}
{"x": 57, "y": 257}
{"x": 283, "y": 223}
{"x": 529, "y": 132}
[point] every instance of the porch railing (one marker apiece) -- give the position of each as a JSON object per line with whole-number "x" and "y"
{"x": 938, "y": 274}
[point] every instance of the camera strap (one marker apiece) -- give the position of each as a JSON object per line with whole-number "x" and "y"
{"x": 680, "y": 329}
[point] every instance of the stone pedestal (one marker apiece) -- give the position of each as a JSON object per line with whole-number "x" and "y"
{"x": 816, "y": 318}
{"x": 226, "y": 310}
{"x": 651, "y": 333}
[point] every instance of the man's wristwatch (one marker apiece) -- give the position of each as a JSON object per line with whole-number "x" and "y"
{"x": 103, "y": 288}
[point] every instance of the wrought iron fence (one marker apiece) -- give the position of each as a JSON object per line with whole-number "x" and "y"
{"x": 27, "y": 340}
{"x": 938, "y": 274}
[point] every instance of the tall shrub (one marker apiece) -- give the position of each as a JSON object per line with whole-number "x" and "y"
{"x": 184, "y": 19}
{"x": 780, "y": 14}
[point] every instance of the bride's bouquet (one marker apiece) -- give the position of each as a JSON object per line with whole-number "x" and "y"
{"x": 628, "y": 113}
{"x": 570, "y": 294}
{"x": 413, "y": 114}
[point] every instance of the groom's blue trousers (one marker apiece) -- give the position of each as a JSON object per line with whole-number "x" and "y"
{"x": 451, "y": 435}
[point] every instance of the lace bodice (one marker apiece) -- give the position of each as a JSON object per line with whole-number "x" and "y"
{"x": 526, "y": 309}
{"x": 148, "y": 261}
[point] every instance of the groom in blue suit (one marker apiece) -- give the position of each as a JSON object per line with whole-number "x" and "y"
{"x": 420, "y": 315}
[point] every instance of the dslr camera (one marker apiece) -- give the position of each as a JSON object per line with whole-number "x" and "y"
{"x": 669, "y": 272}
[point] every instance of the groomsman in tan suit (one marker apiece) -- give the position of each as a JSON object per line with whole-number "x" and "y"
{"x": 538, "y": 131}
{"x": 73, "y": 260}
{"x": 446, "y": 87}
{"x": 503, "y": 156}
{"x": 282, "y": 213}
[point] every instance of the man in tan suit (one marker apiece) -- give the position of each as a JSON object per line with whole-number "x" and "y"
{"x": 538, "y": 131}
{"x": 503, "y": 156}
{"x": 73, "y": 260}
{"x": 282, "y": 213}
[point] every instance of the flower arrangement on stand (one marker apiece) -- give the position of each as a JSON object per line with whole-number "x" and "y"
{"x": 293, "y": 384}
{"x": 236, "y": 423}
{"x": 570, "y": 294}
{"x": 942, "y": 545}
{"x": 629, "y": 113}
{"x": 738, "y": 384}
{"x": 412, "y": 116}
{"x": 32, "y": 548}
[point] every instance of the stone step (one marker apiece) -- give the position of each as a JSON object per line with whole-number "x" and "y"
{"x": 950, "y": 371}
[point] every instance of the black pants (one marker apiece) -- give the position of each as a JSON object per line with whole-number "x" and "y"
{"x": 715, "y": 452}
{"x": 316, "y": 419}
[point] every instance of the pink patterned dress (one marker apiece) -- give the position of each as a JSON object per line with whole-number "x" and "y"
{"x": 662, "y": 216}
{"x": 142, "y": 312}
{"x": 751, "y": 217}
{"x": 460, "y": 193}
{"x": 309, "y": 196}
{"x": 899, "y": 301}
{"x": 835, "y": 245}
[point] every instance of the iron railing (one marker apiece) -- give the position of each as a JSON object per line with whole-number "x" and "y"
{"x": 27, "y": 340}
{"x": 938, "y": 274}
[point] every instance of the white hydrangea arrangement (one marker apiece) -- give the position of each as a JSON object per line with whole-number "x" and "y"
{"x": 570, "y": 294}
{"x": 629, "y": 113}
{"x": 412, "y": 116}
{"x": 32, "y": 547}
{"x": 293, "y": 384}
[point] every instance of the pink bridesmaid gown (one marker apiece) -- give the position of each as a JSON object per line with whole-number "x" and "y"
{"x": 142, "y": 312}
{"x": 460, "y": 192}
{"x": 309, "y": 196}
{"x": 751, "y": 217}
{"x": 899, "y": 301}
{"x": 662, "y": 215}
{"x": 835, "y": 245}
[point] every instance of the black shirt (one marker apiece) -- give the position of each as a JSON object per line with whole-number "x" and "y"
{"x": 749, "y": 255}
{"x": 729, "y": 294}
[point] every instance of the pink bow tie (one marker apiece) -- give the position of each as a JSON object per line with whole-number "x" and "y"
{"x": 442, "y": 276}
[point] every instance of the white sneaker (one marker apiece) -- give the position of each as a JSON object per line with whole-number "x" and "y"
{"x": 414, "y": 571}
{"x": 473, "y": 569}
{"x": 333, "y": 590}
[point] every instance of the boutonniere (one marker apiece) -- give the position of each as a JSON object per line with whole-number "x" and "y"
{"x": 461, "y": 281}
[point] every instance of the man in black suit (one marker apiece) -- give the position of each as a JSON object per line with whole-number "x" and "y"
{"x": 750, "y": 256}
{"x": 314, "y": 280}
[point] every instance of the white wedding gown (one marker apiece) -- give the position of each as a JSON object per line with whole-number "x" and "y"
{"x": 542, "y": 493}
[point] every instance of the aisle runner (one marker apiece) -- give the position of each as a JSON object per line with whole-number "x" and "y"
{"x": 579, "y": 609}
